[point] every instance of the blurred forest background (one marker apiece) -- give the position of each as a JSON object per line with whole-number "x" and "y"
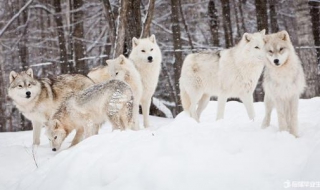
{"x": 73, "y": 36}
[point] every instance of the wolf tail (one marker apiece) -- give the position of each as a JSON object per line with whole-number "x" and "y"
{"x": 185, "y": 100}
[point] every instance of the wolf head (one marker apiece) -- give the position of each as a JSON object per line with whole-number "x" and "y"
{"x": 119, "y": 67}
{"x": 145, "y": 50}
{"x": 278, "y": 47}
{"x": 23, "y": 87}
{"x": 252, "y": 45}
{"x": 55, "y": 133}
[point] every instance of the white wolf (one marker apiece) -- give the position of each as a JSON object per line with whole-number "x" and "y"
{"x": 283, "y": 83}
{"x": 146, "y": 56}
{"x": 123, "y": 69}
{"x": 229, "y": 73}
{"x": 37, "y": 99}
{"x": 85, "y": 111}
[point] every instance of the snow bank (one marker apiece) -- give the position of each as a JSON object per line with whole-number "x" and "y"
{"x": 180, "y": 154}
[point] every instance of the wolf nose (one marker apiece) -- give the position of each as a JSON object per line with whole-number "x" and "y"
{"x": 28, "y": 93}
{"x": 54, "y": 149}
{"x": 276, "y": 61}
{"x": 150, "y": 58}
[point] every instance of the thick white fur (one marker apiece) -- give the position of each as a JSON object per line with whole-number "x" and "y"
{"x": 283, "y": 82}
{"x": 149, "y": 71}
{"x": 229, "y": 73}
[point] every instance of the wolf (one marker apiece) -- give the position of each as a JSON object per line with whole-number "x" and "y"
{"x": 123, "y": 69}
{"x": 86, "y": 110}
{"x": 283, "y": 83}
{"x": 147, "y": 58}
{"x": 37, "y": 99}
{"x": 227, "y": 73}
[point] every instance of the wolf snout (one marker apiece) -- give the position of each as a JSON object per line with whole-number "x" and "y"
{"x": 276, "y": 61}
{"x": 150, "y": 58}
{"x": 28, "y": 93}
{"x": 54, "y": 149}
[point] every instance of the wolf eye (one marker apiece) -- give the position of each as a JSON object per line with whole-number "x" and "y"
{"x": 270, "y": 51}
{"x": 151, "y": 49}
{"x": 29, "y": 85}
{"x": 143, "y": 50}
{"x": 281, "y": 49}
{"x": 117, "y": 73}
{"x": 20, "y": 86}
{"x": 257, "y": 47}
{"x": 55, "y": 137}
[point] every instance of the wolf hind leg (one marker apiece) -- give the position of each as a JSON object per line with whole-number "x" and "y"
{"x": 196, "y": 97}
{"x": 202, "y": 104}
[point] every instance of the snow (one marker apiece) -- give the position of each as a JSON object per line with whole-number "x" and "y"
{"x": 177, "y": 154}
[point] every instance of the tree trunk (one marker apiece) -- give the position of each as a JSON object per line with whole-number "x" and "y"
{"x": 213, "y": 22}
{"x": 2, "y": 94}
{"x": 261, "y": 15}
{"x": 227, "y": 23}
{"x": 176, "y": 37}
{"x": 22, "y": 45}
{"x": 315, "y": 19}
{"x": 134, "y": 24}
{"x": 63, "y": 61}
{"x": 273, "y": 16}
{"x": 110, "y": 17}
{"x": 146, "y": 25}
{"x": 122, "y": 21}
{"x": 78, "y": 37}
{"x": 306, "y": 52}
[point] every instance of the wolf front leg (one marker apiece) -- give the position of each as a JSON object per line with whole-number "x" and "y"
{"x": 268, "y": 109}
{"x": 282, "y": 108}
{"x": 78, "y": 137}
{"x": 36, "y": 132}
{"x": 292, "y": 116}
{"x": 145, "y": 104}
{"x": 247, "y": 100}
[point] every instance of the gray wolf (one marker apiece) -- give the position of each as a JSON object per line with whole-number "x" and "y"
{"x": 283, "y": 82}
{"x": 228, "y": 73}
{"x": 86, "y": 110}
{"x": 123, "y": 69}
{"x": 146, "y": 56}
{"x": 37, "y": 99}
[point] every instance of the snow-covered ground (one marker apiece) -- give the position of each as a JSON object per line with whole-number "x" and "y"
{"x": 175, "y": 154}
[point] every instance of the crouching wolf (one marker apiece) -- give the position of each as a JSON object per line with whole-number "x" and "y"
{"x": 37, "y": 99}
{"x": 229, "y": 73}
{"x": 86, "y": 110}
{"x": 283, "y": 82}
{"x": 123, "y": 69}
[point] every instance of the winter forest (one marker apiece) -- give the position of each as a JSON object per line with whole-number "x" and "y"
{"x": 55, "y": 37}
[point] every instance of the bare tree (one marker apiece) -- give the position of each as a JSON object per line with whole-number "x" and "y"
{"x": 273, "y": 16}
{"x": 227, "y": 27}
{"x": 306, "y": 51}
{"x": 120, "y": 36}
{"x": 112, "y": 25}
{"x": 213, "y": 22}
{"x": 315, "y": 19}
{"x": 147, "y": 22}
{"x": 261, "y": 15}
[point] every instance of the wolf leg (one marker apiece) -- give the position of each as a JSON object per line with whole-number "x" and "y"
{"x": 36, "y": 132}
{"x": 222, "y": 99}
{"x": 292, "y": 116}
{"x": 145, "y": 104}
{"x": 196, "y": 97}
{"x": 248, "y": 103}
{"x": 203, "y": 104}
{"x": 268, "y": 109}
{"x": 78, "y": 137}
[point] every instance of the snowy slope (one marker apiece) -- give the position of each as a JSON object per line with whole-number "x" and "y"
{"x": 178, "y": 154}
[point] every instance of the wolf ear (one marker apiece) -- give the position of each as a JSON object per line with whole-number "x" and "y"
{"x": 57, "y": 124}
{"x": 153, "y": 38}
{"x": 263, "y": 32}
{"x": 12, "y": 76}
{"x": 284, "y": 35}
{"x": 135, "y": 42}
{"x": 122, "y": 59}
{"x": 30, "y": 72}
{"x": 247, "y": 37}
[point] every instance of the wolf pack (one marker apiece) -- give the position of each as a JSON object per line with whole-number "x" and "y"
{"x": 114, "y": 92}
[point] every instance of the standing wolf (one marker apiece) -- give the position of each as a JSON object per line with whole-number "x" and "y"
{"x": 283, "y": 82}
{"x": 88, "y": 109}
{"x": 38, "y": 99}
{"x": 229, "y": 73}
{"x": 146, "y": 56}
{"x": 123, "y": 69}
